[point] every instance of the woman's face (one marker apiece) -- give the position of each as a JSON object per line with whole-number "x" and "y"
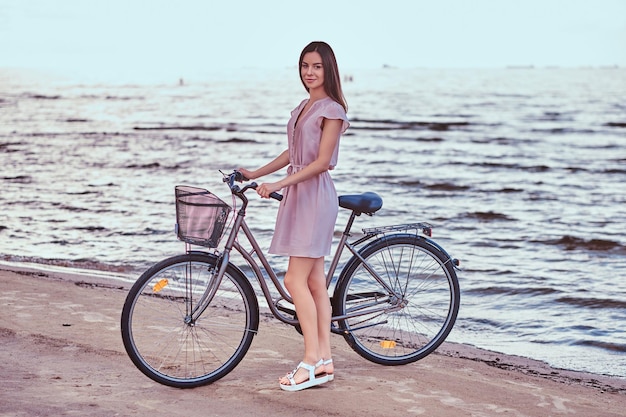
{"x": 312, "y": 71}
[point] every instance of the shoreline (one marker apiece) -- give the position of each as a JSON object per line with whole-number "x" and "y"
{"x": 62, "y": 351}
{"x": 125, "y": 277}
{"x": 118, "y": 280}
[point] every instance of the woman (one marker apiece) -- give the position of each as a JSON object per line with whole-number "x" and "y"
{"x": 308, "y": 212}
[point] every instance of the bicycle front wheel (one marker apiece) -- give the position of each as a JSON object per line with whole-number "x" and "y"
{"x": 176, "y": 335}
{"x": 408, "y": 323}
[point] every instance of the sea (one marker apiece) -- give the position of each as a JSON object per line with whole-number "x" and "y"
{"x": 521, "y": 171}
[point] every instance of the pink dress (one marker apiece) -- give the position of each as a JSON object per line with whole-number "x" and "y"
{"x": 307, "y": 214}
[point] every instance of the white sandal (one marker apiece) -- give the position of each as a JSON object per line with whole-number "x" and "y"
{"x": 331, "y": 375}
{"x": 311, "y": 382}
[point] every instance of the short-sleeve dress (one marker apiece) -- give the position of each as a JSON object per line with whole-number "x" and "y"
{"x": 307, "y": 214}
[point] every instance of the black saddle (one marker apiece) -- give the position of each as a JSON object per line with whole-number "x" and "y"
{"x": 361, "y": 203}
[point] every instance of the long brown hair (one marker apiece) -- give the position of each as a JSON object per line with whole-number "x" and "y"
{"x": 332, "y": 81}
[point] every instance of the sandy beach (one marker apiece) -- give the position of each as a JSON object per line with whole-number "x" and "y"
{"x": 62, "y": 355}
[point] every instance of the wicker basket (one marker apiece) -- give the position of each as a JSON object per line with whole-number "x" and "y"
{"x": 201, "y": 217}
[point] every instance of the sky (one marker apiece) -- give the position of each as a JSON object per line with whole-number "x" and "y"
{"x": 179, "y": 36}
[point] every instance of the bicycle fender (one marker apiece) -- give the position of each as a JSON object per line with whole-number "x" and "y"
{"x": 442, "y": 250}
{"x": 431, "y": 242}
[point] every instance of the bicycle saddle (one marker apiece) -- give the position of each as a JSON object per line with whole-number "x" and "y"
{"x": 361, "y": 203}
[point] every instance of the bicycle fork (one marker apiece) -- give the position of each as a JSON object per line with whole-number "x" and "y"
{"x": 194, "y": 312}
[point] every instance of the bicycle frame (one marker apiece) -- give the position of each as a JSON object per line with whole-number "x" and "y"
{"x": 232, "y": 243}
{"x": 190, "y": 319}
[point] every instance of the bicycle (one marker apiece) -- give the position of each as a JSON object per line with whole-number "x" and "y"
{"x": 190, "y": 319}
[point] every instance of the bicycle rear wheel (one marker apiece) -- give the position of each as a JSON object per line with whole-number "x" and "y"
{"x": 167, "y": 342}
{"x": 406, "y": 325}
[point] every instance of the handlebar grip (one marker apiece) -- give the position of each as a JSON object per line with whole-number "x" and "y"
{"x": 273, "y": 195}
{"x": 240, "y": 177}
{"x": 276, "y": 196}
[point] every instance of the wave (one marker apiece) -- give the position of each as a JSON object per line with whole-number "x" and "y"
{"x": 478, "y": 324}
{"x": 614, "y": 347}
{"x": 615, "y": 124}
{"x": 67, "y": 207}
{"x": 512, "y": 291}
{"x": 203, "y": 128}
{"x": 44, "y": 134}
{"x": 388, "y": 124}
{"x": 490, "y": 165}
{"x": 409, "y": 182}
{"x": 111, "y": 232}
{"x": 534, "y": 168}
{"x": 229, "y": 127}
{"x": 405, "y": 183}
{"x": 79, "y": 263}
{"x": 6, "y": 103}
{"x": 81, "y": 192}
{"x": 575, "y": 170}
{"x": 502, "y": 141}
{"x": 239, "y": 140}
{"x": 461, "y": 115}
{"x": 502, "y": 165}
{"x": 592, "y": 303}
{"x": 614, "y": 171}
{"x": 152, "y": 165}
{"x": 565, "y": 130}
{"x": 124, "y": 98}
{"x": 42, "y": 96}
{"x": 487, "y": 216}
{"x": 434, "y": 139}
{"x": 552, "y": 116}
{"x": 507, "y": 190}
{"x": 92, "y": 228}
{"x": 574, "y": 243}
{"x": 446, "y": 186}
{"x": 19, "y": 179}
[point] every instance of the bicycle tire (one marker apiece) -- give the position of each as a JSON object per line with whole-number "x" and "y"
{"x": 397, "y": 331}
{"x": 161, "y": 340}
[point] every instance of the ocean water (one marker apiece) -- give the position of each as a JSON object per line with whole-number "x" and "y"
{"x": 522, "y": 172}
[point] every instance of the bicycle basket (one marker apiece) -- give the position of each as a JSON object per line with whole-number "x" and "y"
{"x": 201, "y": 217}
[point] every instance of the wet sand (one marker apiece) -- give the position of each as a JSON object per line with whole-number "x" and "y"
{"x": 62, "y": 355}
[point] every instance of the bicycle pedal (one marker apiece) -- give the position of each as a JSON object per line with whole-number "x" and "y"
{"x": 287, "y": 310}
{"x": 336, "y": 330}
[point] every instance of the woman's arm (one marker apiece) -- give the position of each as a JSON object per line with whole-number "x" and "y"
{"x": 279, "y": 162}
{"x": 330, "y": 136}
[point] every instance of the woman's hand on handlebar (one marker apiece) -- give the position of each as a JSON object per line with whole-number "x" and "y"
{"x": 248, "y": 175}
{"x": 267, "y": 188}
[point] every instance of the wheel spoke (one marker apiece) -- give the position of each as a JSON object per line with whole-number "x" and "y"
{"x": 166, "y": 344}
{"x": 421, "y": 311}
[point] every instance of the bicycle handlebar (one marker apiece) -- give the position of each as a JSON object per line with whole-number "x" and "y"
{"x": 239, "y": 177}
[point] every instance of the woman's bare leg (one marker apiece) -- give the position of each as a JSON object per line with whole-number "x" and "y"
{"x": 317, "y": 287}
{"x": 296, "y": 282}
